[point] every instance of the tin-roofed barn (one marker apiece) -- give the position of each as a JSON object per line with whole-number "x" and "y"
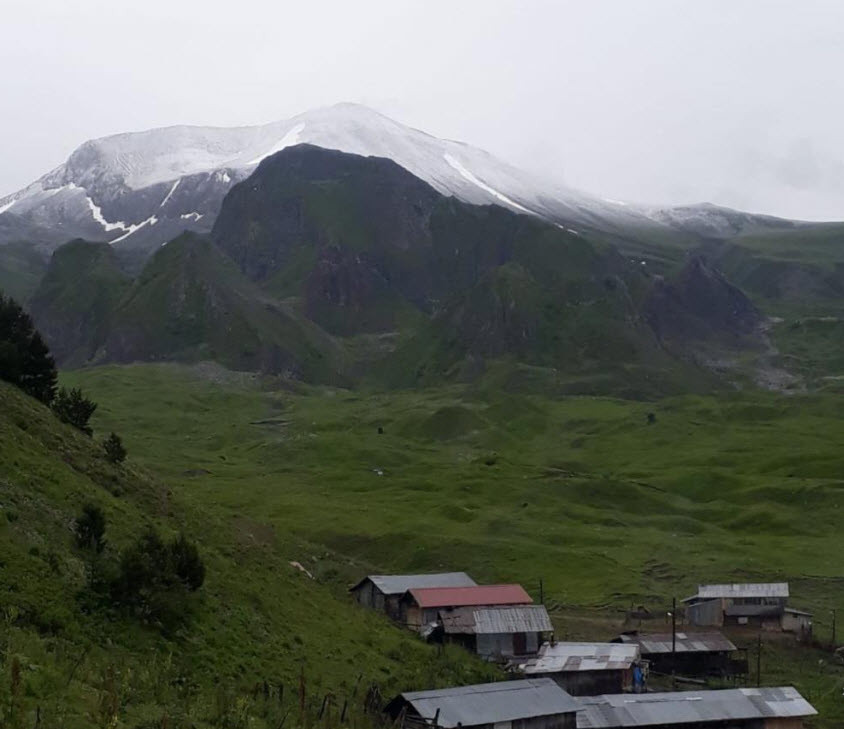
{"x": 748, "y": 708}
{"x": 384, "y": 592}
{"x": 497, "y": 632}
{"x": 696, "y": 654}
{"x": 422, "y": 606}
{"x": 760, "y": 604}
{"x": 586, "y": 669}
{"x": 530, "y": 704}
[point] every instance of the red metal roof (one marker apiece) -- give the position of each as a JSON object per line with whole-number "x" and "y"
{"x": 434, "y": 597}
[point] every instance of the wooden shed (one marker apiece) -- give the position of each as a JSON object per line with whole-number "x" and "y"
{"x": 422, "y": 606}
{"x": 689, "y": 654}
{"x": 497, "y": 633}
{"x": 747, "y": 708}
{"x": 384, "y": 592}
{"x": 587, "y": 669}
{"x": 529, "y": 704}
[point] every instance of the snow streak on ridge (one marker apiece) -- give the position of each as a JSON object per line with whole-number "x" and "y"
{"x": 475, "y": 181}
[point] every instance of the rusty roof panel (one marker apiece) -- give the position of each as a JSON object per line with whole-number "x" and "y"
{"x": 442, "y": 597}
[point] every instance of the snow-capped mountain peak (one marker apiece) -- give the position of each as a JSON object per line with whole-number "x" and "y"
{"x": 143, "y": 188}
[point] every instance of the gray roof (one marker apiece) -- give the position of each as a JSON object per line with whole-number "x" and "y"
{"x": 688, "y": 707}
{"x": 764, "y": 589}
{"x": 650, "y": 643}
{"x": 497, "y": 620}
{"x": 488, "y": 703}
{"x": 753, "y": 611}
{"x": 399, "y": 584}
{"x": 565, "y": 657}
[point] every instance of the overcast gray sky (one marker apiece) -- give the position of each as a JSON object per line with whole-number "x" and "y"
{"x": 738, "y": 102}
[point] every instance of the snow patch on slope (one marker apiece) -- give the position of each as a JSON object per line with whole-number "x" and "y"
{"x": 288, "y": 140}
{"x": 127, "y": 229}
{"x": 6, "y": 206}
{"x": 190, "y": 216}
{"x": 134, "y": 227}
{"x": 486, "y": 188}
{"x": 169, "y": 194}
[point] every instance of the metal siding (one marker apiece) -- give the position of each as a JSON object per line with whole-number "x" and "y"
{"x": 707, "y": 613}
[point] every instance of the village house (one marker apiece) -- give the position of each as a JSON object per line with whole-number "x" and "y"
{"x": 762, "y": 605}
{"x": 384, "y": 592}
{"x": 587, "y": 669}
{"x": 528, "y": 704}
{"x": 747, "y": 708}
{"x": 421, "y": 606}
{"x": 693, "y": 654}
{"x": 497, "y": 633}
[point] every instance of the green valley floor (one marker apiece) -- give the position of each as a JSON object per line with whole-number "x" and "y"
{"x": 609, "y": 503}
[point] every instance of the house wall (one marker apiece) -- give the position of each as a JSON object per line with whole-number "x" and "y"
{"x": 690, "y": 664}
{"x": 801, "y": 624}
{"x": 590, "y": 683}
{"x": 788, "y": 723}
{"x": 493, "y": 645}
{"x": 708, "y": 613}
{"x": 369, "y": 596}
{"x": 555, "y": 721}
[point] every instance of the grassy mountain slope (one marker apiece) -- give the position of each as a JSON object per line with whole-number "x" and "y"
{"x": 581, "y": 492}
{"x": 21, "y": 268}
{"x": 75, "y": 301}
{"x": 256, "y": 619}
{"x": 191, "y": 302}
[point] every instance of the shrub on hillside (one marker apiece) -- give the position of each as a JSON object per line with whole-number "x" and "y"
{"x": 114, "y": 450}
{"x": 25, "y": 360}
{"x": 72, "y": 407}
{"x": 154, "y": 577}
{"x": 90, "y": 528}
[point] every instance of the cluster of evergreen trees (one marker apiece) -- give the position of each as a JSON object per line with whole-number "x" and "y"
{"x": 25, "y": 361}
{"x": 150, "y": 578}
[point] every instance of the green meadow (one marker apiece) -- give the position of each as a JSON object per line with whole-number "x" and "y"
{"x": 608, "y": 507}
{"x": 609, "y": 503}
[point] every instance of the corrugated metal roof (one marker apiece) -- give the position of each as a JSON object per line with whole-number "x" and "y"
{"x": 795, "y": 611}
{"x": 565, "y": 657}
{"x": 650, "y": 643}
{"x": 753, "y": 611}
{"x": 497, "y": 620}
{"x": 399, "y": 584}
{"x": 488, "y": 703}
{"x": 687, "y": 707}
{"x": 763, "y": 589}
{"x": 435, "y": 597}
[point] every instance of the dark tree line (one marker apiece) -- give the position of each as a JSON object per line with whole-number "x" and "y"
{"x": 26, "y": 362}
{"x": 25, "y": 359}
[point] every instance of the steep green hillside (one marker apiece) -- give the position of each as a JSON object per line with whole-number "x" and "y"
{"x": 790, "y": 273}
{"x": 21, "y": 268}
{"x": 191, "y": 302}
{"x": 76, "y": 663}
{"x": 608, "y": 510}
{"x": 74, "y": 302}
